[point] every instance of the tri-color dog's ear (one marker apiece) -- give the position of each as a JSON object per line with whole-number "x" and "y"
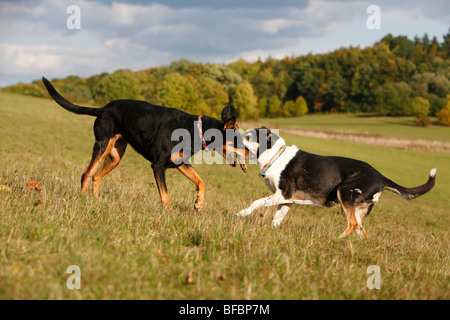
{"x": 227, "y": 113}
{"x": 230, "y": 123}
{"x": 267, "y": 130}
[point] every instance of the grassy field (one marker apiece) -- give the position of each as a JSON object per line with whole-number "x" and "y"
{"x": 391, "y": 127}
{"x": 128, "y": 247}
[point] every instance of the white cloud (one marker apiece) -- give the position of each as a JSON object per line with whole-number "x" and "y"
{"x": 34, "y": 38}
{"x": 21, "y": 58}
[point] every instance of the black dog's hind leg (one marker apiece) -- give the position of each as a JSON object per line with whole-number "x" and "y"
{"x": 111, "y": 161}
{"x": 160, "y": 177}
{"x": 101, "y": 150}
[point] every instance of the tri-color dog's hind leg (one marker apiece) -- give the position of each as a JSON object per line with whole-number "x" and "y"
{"x": 356, "y": 205}
{"x": 345, "y": 198}
{"x": 101, "y": 150}
{"x": 190, "y": 173}
{"x": 360, "y": 212}
{"x": 111, "y": 161}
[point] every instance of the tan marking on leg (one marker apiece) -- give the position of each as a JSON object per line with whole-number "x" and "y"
{"x": 190, "y": 173}
{"x": 349, "y": 211}
{"x": 176, "y": 156}
{"x": 165, "y": 198}
{"x": 111, "y": 161}
{"x": 95, "y": 161}
{"x": 360, "y": 213}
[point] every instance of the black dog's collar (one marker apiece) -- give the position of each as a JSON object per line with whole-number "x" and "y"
{"x": 200, "y": 133}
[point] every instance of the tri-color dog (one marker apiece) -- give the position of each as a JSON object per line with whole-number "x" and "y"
{"x": 295, "y": 176}
{"x": 148, "y": 129}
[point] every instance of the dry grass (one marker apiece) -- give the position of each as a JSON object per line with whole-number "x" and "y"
{"x": 128, "y": 247}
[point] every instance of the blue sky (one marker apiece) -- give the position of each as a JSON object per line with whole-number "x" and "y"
{"x": 136, "y": 35}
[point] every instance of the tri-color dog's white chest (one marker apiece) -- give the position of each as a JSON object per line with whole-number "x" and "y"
{"x": 272, "y": 176}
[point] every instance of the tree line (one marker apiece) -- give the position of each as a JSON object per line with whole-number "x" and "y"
{"x": 396, "y": 76}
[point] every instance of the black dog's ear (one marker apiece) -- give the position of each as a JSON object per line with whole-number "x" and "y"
{"x": 229, "y": 124}
{"x": 227, "y": 112}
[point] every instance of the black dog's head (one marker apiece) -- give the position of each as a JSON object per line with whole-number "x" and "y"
{"x": 259, "y": 140}
{"x": 233, "y": 142}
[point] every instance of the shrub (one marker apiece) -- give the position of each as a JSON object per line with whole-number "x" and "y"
{"x": 422, "y": 121}
{"x": 420, "y": 107}
{"x": 443, "y": 116}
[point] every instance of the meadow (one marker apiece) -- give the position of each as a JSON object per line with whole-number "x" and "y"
{"x": 128, "y": 247}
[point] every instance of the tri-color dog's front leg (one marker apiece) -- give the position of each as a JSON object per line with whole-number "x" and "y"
{"x": 273, "y": 200}
{"x": 282, "y": 210}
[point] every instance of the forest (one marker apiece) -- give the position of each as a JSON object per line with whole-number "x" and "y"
{"x": 396, "y": 76}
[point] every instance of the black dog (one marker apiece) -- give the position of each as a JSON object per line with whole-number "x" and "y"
{"x": 148, "y": 129}
{"x": 295, "y": 176}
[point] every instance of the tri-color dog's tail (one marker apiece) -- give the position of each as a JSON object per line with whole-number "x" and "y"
{"x": 411, "y": 193}
{"x": 69, "y": 105}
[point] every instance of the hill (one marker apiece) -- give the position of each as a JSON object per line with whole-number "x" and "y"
{"x": 396, "y": 76}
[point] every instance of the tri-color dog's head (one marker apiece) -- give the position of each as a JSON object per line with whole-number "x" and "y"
{"x": 259, "y": 140}
{"x": 233, "y": 141}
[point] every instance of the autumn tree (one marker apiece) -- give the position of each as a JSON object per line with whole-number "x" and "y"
{"x": 295, "y": 108}
{"x": 119, "y": 85}
{"x": 244, "y": 101}
{"x": 179, "y": 92}
{"x": 443, "y": 115}
{"x": 213, "y": 97}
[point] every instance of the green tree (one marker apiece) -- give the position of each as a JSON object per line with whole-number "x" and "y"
{"x": 361, "y": 90}
{"x": 295, "y": 108}
{"x": 224, "y": 75}
{"x": 433, "y": 86}
{"x": 263, "y": 84}
{"x": 400, "y": 45}
{"x": 213, "y": 95}
{"x": 262, "y": 107}
{"x": 393, "y": 99}
{"x": 178, "y": 91}
{"x": 273, "y": 106}
{"x": 186, "y": 67}
{"x": 335, "y": 92}
{"x": 244, "y": 101}
{"x": 119, "y": 85}
{"x": 446, "y": 45}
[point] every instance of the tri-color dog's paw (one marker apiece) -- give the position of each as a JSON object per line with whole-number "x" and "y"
{"x": 243, "y": 213}
{"x": 276, "y": 223}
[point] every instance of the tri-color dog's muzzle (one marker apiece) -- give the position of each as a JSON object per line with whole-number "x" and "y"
{"x": 235, "y": 152}
{"x": 251, "y": 144}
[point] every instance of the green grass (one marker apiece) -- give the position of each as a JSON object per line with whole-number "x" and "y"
{"x": 391, "y": 127}
{"x": 128, "y": 247}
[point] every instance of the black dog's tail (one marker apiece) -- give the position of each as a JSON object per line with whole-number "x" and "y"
{"x": 69, "y": 105}
{"x": 411, "y": 193}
